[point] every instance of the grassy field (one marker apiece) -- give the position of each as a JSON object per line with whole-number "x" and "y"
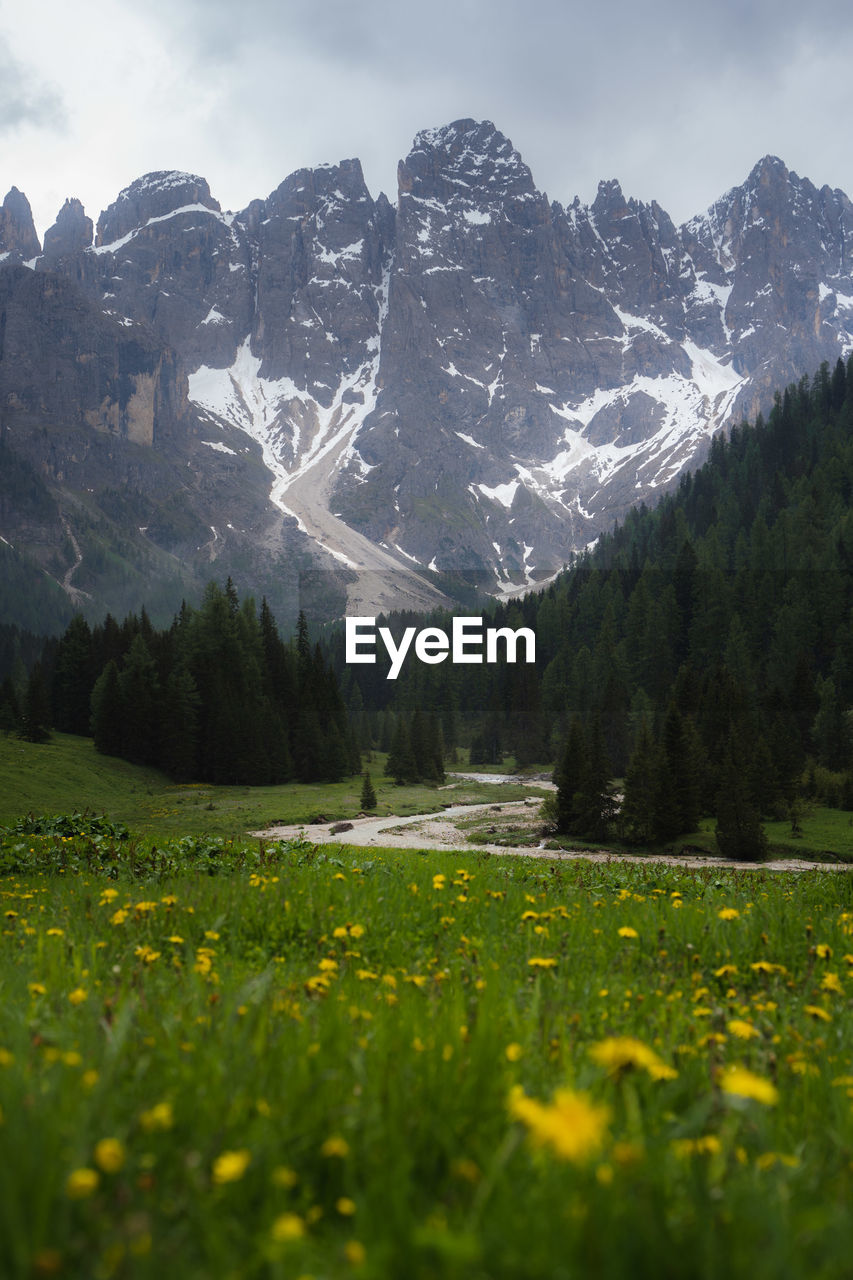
{"x": 229, "y": 1058}
{"x": 67, "y": 774}
{"x": 410, "y": 1066}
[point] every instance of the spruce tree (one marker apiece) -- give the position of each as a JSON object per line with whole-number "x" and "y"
{"x": 740, "y": 835}
{"x": 107, "y": 712}
{"x": 637, "y": 814}
{"x": 568, "y": 778}
{"x": 35, "y": 719}
{"x": 368, "y": 794}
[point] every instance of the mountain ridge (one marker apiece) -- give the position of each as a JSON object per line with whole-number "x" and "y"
{"x": 477, "y": 377}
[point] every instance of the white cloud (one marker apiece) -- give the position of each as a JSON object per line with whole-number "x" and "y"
{"x": 677, "y": 101}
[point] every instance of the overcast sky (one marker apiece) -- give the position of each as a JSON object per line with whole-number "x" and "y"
{"x": 676, "y": 100}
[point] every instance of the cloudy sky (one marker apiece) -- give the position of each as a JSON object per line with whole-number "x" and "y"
{"x": 676, "y": 100}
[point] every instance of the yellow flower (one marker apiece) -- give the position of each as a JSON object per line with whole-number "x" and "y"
{"x": 118, "y": 917}
{"x": 355, "y": 1253}
{"x": 78, "y": 995}
{"x": 288, "y": 1227}
{"x": 109, "y": 1155}
{"x": 728, "y": 913}
{"x": 618, "y": 1053}
{"x": 37, "y": 989}
{"x": 823, "y": 951}
{"x": 725, "y": 970}
{"x": 627, "y": 932}
{"x": 542, "y": 962}
{"x": 513, "y": 1052}
{"x": 159, "y": 1117}
{"x": 283, "y": 1176}
{"x": 832, "y": 982}
{"x": 55, "y": 933}
{"x": 815, "y": 1011}
{"x": 572, "y": 1125}
{"x": 770, "y": 1158}
{"x": 745, "y": 1084}
{"x": 107, "y": 895}
{"x": 335, "y": 1146}
{"x": 82, "y": 1183}
{"x": 743, "y": 1030}
{"x": 345, "y": 1206}
{"x": 230, "y": 1166}
{"x": 708, "y": 1145}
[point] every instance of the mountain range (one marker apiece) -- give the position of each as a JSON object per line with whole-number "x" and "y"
{"x": 476, "y": 377}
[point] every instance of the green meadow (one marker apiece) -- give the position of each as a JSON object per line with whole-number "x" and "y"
{"x": 67, "y": 774}
{"x": 240, "y": 1058}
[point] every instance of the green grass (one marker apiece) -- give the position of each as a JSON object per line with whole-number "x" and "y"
{"x": 344, "y": 1063}
{"x": 825, "y": 832}
{"x": 67, "y": 773}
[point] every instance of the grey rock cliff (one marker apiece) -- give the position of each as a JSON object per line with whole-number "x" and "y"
{"x": 477, "y": 376}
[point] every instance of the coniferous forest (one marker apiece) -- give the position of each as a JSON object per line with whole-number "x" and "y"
{"x": 216, "y": 697}
{"x": 701, "y": 654}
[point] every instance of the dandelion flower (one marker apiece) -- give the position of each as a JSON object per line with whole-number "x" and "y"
{"x": 82, "y": 1183}
{"x": 770, "y": 1158}
{"x": 287, "y": 1227}
{"x": 742, "y": 1029}
{"x": 158, "y": 1117}
{"x": 355, "y": 1253}
{"x": 815, "y": 1011}
{"x": 627, "y": 932}
{"x": 709, "y": 1144}
{"x": 109, "y": 1155}
{"x": 618, "y": 1053}
{"x": 728, "y": 913}
{"x": 78, "y": 995}
{"x": 573, "y": 1126}
{"x": 513, "y": 1052}
{"x": 336, "y": 1146}
{"x": 542, "y": 962}
{"x": 745, "y": 1084}
{"x": 230, "y": 1166}
{"x": 832, "y": 982}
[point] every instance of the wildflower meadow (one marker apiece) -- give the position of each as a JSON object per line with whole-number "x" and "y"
{"x": 279, "y": 1063}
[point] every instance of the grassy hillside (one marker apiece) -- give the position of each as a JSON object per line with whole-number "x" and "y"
{"x": 68, "y": 774}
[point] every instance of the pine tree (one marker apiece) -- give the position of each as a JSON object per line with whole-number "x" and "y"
{"x": 73, "y": 678}
{"x": 739, "y": 832}
{"x": 637, "y": 813}
{"x": 107, "y": 712}
{"x": 35, "y": 720}
{"x": 568, "y": 778}
{"x": 368, "y": 794}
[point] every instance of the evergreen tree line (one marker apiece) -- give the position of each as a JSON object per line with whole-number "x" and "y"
{"x": 705, "y": 647}
{"x": 216, "y": 697}
{"x": 417, "y": 749}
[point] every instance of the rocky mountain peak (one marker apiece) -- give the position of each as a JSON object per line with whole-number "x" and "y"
{"x": 156, "y": 195}
{"x": 17, "y": 230}
{"x": 609, "y": 194}
{"x": 71, "y": 233}
{"x": 467, "y": 162}
{"x": 305, "y": 191}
